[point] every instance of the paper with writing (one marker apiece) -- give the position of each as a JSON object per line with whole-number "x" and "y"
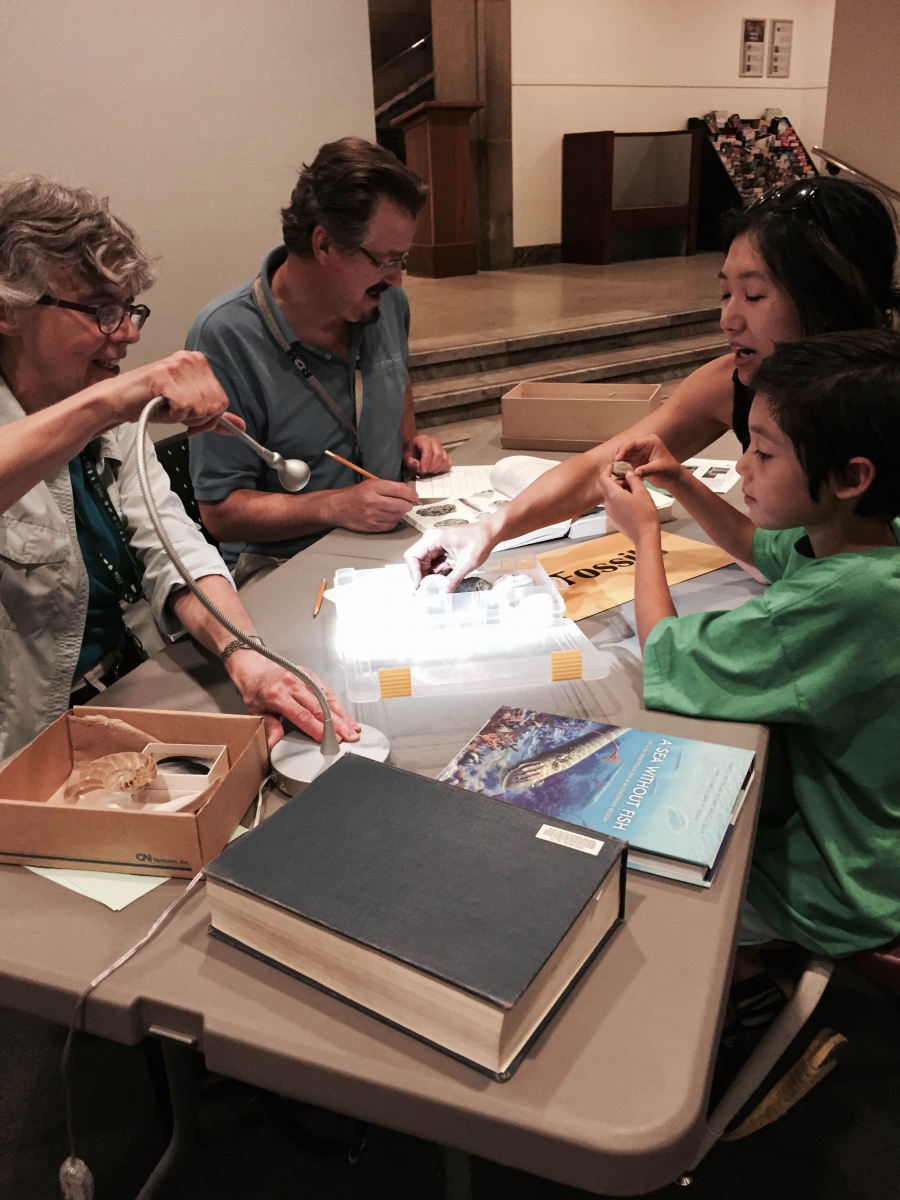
{"x": 600, "y": 573}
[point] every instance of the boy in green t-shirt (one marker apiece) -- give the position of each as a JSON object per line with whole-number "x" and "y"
{"x": 817, "y": 654}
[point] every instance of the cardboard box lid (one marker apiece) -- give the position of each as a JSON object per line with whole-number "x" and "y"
{"x": 584, "y": 391}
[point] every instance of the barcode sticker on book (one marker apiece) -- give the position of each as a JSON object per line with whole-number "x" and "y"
{"x": 565, "y": 837}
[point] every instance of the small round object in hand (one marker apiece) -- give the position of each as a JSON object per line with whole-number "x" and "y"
{"x": 620, "y": 468}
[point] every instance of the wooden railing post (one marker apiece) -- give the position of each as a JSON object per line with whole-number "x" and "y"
{"x": 437, "y": 149}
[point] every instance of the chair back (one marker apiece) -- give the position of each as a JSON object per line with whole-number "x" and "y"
{"x": 174, "y": 459}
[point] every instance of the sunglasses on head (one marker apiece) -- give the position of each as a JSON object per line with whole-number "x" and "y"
{"x": 794, "y": 196}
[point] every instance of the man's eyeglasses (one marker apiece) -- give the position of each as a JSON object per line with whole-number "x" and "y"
{"x": 791, "y": 197}
{"x": 108, "y": 316}
{"x": 384, "y": 265}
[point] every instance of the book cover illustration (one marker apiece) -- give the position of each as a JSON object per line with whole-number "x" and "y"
{"x": 664, "y": 794}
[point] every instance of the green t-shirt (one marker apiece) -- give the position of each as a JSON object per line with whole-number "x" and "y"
{"x": 817, "y": 656}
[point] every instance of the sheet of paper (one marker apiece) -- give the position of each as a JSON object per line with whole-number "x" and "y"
{"x": 459, "y": 481}
{"x": 113, "y": 890}
{"x": 718, "y": 474}
{"x": 600, "y": 573}
{"x": 110, "y": 888}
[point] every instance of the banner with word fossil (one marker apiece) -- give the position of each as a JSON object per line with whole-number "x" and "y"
{"x": 600, "y": 574}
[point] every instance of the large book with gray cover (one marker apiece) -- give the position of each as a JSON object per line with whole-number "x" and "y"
{"x": 456, "y": 918}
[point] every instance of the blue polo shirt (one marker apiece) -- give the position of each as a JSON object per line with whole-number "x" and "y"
{"x": 284, "y": 413}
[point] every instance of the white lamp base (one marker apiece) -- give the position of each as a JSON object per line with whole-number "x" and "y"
{"x": 297, "y": 759}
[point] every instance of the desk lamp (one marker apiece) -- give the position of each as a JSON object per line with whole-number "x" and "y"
{"x": 294, "y": 476}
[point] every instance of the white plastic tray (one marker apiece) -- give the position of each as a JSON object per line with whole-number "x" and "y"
{"x": 395, "y": 641}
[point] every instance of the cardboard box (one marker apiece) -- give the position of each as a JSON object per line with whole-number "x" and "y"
{"x": 139, "y": 843}
{"x": 572, "y": 416}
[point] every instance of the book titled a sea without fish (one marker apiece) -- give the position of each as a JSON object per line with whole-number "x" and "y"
{"x": 674, "y": 799}
{"x": 462, "y": 921}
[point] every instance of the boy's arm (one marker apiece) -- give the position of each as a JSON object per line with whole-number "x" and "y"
{"x": 631, "y": 507}
{"x": 652, "y": 598}
{"x": 728, "y": 528}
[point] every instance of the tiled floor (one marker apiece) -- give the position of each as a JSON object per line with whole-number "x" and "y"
{"x": 494, "y": 304}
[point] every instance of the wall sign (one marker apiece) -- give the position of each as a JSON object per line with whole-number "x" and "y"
{"x": 781, "y": 36}
{"x": 753, "y": 38}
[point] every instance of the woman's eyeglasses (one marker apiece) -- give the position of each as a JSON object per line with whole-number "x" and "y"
{"x": 108, "y": 316}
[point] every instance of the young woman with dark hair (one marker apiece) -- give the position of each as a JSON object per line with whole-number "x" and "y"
{"x": 812, "y": 257}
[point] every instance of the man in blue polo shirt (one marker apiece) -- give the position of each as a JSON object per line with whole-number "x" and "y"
{"x": 313, "y": 356}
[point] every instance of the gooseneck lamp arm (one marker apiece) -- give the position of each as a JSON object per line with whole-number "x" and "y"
{"x": 294, "y": 476}
{"x": 292, "y": 473}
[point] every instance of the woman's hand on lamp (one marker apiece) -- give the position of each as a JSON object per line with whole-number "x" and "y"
{"x": 272, "y": 692}
{"x": 194, "y": 397}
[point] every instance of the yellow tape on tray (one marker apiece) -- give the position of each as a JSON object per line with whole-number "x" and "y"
{"x": 395, "y": 681}
{"x": 565, "y": 664}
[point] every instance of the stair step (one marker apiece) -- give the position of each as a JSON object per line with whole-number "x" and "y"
{"x": 646, "y": 363}
{"x": 428, "y": 361}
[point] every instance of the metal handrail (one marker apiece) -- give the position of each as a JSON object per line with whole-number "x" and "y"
{"x": 845, "y": 166}
{"x": 403, "y": 53}
{"x": 413, "y": 87}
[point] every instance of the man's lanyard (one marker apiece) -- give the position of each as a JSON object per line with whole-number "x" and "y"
{"x": 127, "y": 589}
{"x": 333, "y": 407}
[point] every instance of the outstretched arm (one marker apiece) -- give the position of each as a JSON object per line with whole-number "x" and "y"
{"x": 37, "y": 445}
{"x": 267, "y": 690}
{"x": 696, "y": 413}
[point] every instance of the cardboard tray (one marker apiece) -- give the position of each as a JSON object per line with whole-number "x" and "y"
{"x": 572, "y": 416}
{"x": 176, "y": 844}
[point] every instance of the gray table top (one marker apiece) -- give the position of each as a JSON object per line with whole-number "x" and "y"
{"x": 612, "y": 1097}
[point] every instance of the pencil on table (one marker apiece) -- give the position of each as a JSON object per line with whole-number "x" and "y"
{"x": 319, "y": 597}
{"x": 352, "y": 466}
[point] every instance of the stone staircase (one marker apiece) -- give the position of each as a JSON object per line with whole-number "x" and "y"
{"x": 460, "y": 382}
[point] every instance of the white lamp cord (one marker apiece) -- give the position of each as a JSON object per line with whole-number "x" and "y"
{"x": 75, "y": 1179}
{"x": 329, "y": 741}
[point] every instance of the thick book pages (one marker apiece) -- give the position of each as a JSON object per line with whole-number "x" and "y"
{"x": 460, "y": 920}
{"x": 445, "y": 502}
{"x": 673, "y": 799}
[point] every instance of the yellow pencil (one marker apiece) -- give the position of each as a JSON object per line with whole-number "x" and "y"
{"x": 352, "y": 466}
{"x": 319, "y": 597}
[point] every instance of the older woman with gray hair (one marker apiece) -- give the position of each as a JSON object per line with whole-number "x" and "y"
{"x": 76, "y": 545}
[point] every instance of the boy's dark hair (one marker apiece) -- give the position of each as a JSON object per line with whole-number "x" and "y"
{"x": 837, "y": 397}
{"x": 832, "y": 245}
{"x": 340, "y": 190}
